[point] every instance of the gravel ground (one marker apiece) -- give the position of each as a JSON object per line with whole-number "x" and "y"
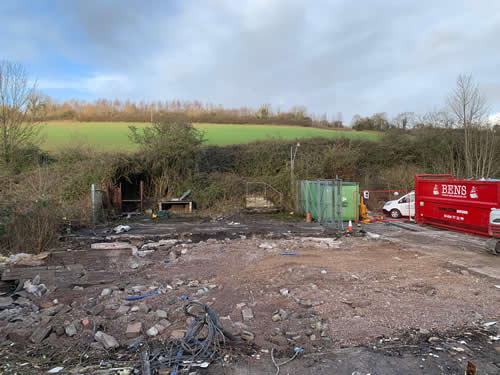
{"x": 333, "y": 297}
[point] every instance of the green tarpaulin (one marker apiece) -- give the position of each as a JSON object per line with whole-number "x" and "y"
{"x": 320, "y": 197}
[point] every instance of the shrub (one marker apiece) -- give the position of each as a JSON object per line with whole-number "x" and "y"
{"x": 26, "y": 158}
{"x": 34, "y": 230}
{"x": 399, "y": 177}
{"x": 216, "y": 189}
{"x": 170, "y": 150}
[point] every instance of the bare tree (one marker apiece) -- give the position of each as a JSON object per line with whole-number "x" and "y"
{"x": 470, "y": 109}
{"x": 440, "y": 125}
{"x": 19, "y": 105}
{"x": 355, "y": 119}
{"x": 404, "y": 120}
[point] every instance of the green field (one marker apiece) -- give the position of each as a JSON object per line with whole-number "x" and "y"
{"x": 113, "y": 136}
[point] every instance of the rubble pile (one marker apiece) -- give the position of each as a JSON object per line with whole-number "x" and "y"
{"x": 130, "y": 298}
{"x": 124, "y": 312}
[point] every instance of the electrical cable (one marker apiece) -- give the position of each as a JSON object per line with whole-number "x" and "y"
{"x": 203, "y": 341}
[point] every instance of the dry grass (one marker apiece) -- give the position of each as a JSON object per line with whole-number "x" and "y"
{"x": 33, "y": 213}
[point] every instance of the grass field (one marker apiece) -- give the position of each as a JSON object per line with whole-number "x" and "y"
{"x": 113, "y": 136}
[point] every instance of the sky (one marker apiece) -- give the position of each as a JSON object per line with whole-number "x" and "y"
{"x": 352, "y": 57}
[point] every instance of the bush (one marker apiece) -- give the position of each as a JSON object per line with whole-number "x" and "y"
{"x": 217, "y": 191}
{"x": 26, "y": 158}
{"x": 170, "y": 150}
{"x": 341, "y": 161}
{"x": 399, "y": 177}
{"x": 34, "y": 230}
{"x": 36, "y": 207}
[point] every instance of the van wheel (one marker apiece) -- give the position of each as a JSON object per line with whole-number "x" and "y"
{"x": 395, "y": 214}
{"x": 493, "y": 246}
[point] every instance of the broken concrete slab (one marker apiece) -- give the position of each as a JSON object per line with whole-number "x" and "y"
{"x": 111, "y": 245}
{"x": 122, "y": 310}
{"x": 143, "y": 307}
{"x": 52, "y": 310}
{"x": 178, "y": 334}
{"x": 106, "y": 292}
{"x": 61, "y": 276}
{"x": 98, "y": 309}
{"x": 165, "y": 323}
{"x": 160, "y": 328}
{"x": 40, "y": 334}
{"x": 247, "y": 313}
{"x": 161, "y": 244}
{"x": 23, "y": 302}
{"x": 161, "y": 314}
{"x": 133, "y": 330}
{"x": 121, "y": 228}
{"x": 70, "y": 330}
{"x": 45, "y": 319}
{"x": 5, "y": 302}
{"x": 27, "y": 259}
{"x": 108, "y": 341}
{"x": 153, "y": 331}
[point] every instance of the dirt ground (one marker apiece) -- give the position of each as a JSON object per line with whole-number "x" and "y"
{"x": 398, "y": 300}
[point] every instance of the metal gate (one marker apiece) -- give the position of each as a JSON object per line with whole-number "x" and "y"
{"x": 260, "y": 195}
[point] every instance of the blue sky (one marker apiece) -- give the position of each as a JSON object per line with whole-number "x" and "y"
{"x": 330, "y": 56}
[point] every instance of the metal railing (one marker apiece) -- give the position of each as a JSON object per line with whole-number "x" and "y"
{"x": 268, "y": 192}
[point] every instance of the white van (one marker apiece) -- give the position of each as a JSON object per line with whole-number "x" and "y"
{"x": 404, "y": 206}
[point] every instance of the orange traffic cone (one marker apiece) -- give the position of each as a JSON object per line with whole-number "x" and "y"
{"x": 349, "y": 228}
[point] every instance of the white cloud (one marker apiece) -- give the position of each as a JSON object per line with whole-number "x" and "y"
{"x": 331, "y": 56}
{"x": 494, "y": 119}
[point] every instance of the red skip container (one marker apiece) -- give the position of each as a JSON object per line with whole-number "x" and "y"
{"x": 456, "y": 204}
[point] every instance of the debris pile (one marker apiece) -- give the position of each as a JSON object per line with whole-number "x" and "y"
{"x": 125, "y": 303}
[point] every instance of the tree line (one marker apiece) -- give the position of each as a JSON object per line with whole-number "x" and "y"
{"x": 472, "y": 138}
{"x": 194, "y": 111}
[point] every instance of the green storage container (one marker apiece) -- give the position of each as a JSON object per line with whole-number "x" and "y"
{"x": 350, "y": 201}
{"x": 320, "y": 199}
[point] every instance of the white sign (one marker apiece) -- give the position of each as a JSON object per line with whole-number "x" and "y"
{"x": 454, "y": 191}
